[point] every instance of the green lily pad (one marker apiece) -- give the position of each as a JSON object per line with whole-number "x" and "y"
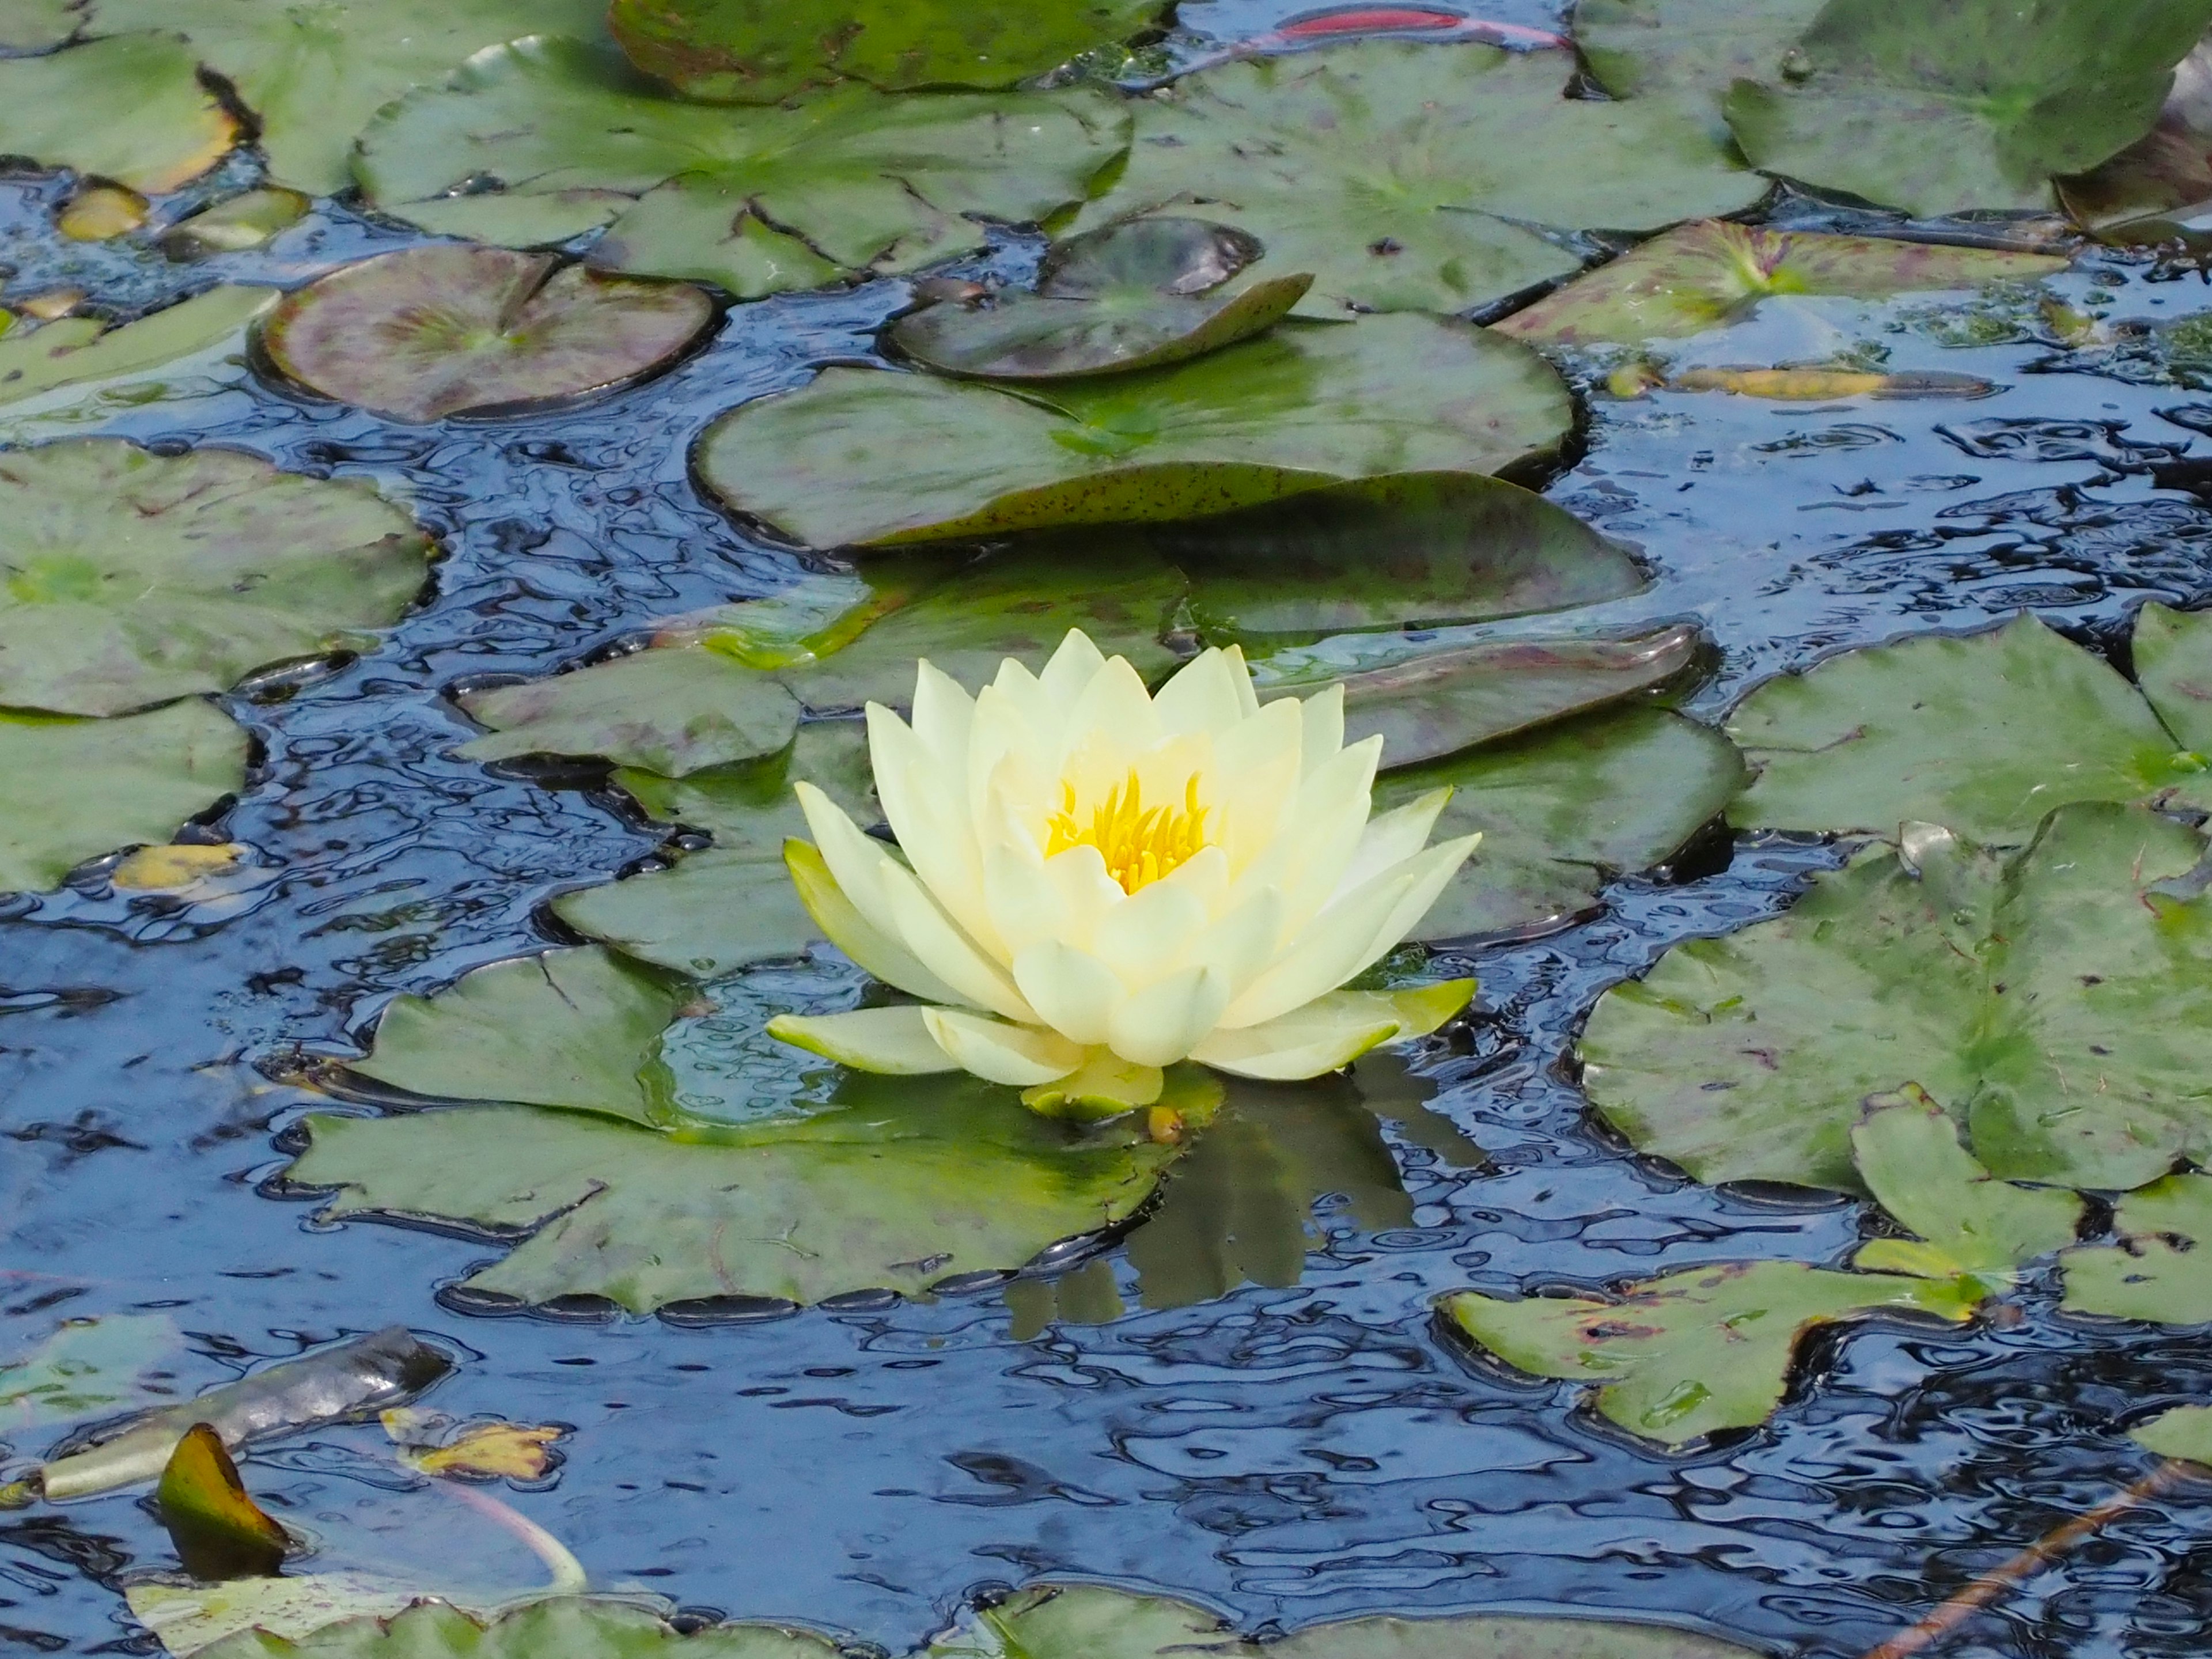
{"x": 1688, "y": 52}
{"x": 87, "y": 1368}
{"x": 2161, "y": 1269}
{"x": 32, "y": 26}
{"x": 1681, "y": 1357}
{"x": 2185, "y": 1433}
{"x": 1564, "y": 809}
{"x": 130, "y": 108}
{"x": 1702, "y": 276}
{"x": 128, "y": 577}
{"x": 238, "y": 224}
{"x": 1183, "y": 257}
{"x": 429, "y": 333}
{"x": 755, "y": 51}
{"x": 1417, "y": 550}
{"x": 1402, "y": 176}
{"x": 84, "y": 354}
{"x": 312, "y": 75}
{"x": 547, "y": 138}
{"x": 74, "y": 789}
{"x": 1975, "y": 104}
{"x": 536, "y": 1630}
{"x": 1089, "y": 1621}
{"x": 1984, "y": 734}
{"x": 2057, "y": 1001}
{"x": 860, "y": 457}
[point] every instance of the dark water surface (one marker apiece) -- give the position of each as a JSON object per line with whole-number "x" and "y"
{"x": 1284, "y": 1455}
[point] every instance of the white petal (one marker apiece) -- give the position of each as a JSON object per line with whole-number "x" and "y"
{"x": 1202, "y": 698}
{"x": 1247, "y": 698}
{"x": 1144, "y": 935}
{"x": 1333, "y": 1031}
{"x": 1394, "y": 837}
{"x": 947, "y": 952}
{"x": 879, "y": 952}
{"x": 893, "y": 1042}
{"x": 1024, "y": 900}
{"x": 855, "y": 858}
{"x": 1243, "y": 943}
{"x": 1323, "y": 717}
{"x": 1019, "y": 1055}
{"x": 943, "y": 712}
{"x": 1165, "y": 1021}
{"x": 1073, "y": 666}
{"x": 928, "y": 811}
{"x": 1114, "y": 705}
{"x": 1072, "y": 992}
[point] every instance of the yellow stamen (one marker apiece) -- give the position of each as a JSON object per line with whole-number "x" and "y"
{"x": 1139, "y": 845}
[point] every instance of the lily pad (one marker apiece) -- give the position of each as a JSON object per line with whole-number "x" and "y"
{"x": 237, "y": 224}
{"x": 1702, "y": 276}
{"x": 429, "y": 333}
{"x": 130, "y": 108}
{"x": 1984, "y": 734}
{"x": 1089, "y": 1621}
{"x": 73, "y": 789}
{"x": 1409, "y": 550}
{"x": 85, "y": 353}
{"x": 2185, "y": 1433}
{"x": 87, "y": 1368}
{"x": 1705, "y": 1349}
{"x": 2057, "y": 1001}
{"x": 313, "y": 75}
{"x": 1975, "y": 104}
{"x": 2161, "y": 1269}
{"x": 536, "y": 1630}
{"x": 1689, "y": 52}
{"x": 757, "y": 51}
{"x": 542, "y": 140}
{"x": 128, "y": 577}
{"x": 1402, "y": 176}
{"x": 1564, "y": 810}
{"x": 896, "y": 1184}
{"x": 1183, "y": 257}
{"x": 859, "y": 457}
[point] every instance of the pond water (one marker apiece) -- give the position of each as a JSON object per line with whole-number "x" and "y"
{"x": 1282, "y": 1455}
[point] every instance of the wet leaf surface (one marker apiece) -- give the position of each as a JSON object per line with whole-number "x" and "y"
{"x": 73, "y": 789}
{"x": 1706, "y": 275}
{"x": 748, "y": 51}
{"x": 757, "y": 200}
{"x": 235, "y": 224}
{"x": 86, "y": 1368}
{"x": 2160, "y": 1270}
{"x": 127, "y": 577}
{"x": 2000, "y": 986}
{"x": 85, "y": 354}
{"x": 218, "y": 1530}
{"x": 1396, "y": 173}
{"x": 859, "y": 457}
{"x": 429, "y": 332}
{"x": 130, "y": 108}
{"x": 1940, "y": 109}
{"x": 1984, "y": 734}
{"x": 1680, "y": 1356}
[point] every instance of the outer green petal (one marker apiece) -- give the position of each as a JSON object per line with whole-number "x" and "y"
{"x": 999, "y": 1051}
{"x": 894, "y": 1042}
{"x": 854, "y": 933}
{"x": 1104, "y": 1085}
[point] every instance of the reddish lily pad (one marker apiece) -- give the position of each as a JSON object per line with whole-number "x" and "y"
{"x": 429, "y": 332}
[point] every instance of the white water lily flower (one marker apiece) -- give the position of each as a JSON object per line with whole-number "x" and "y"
{"x": 1099, "y": 883}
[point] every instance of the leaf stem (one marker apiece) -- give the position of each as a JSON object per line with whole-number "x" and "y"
{"x": 568, "y": 1576}
{"x": 2002, "y": 1580}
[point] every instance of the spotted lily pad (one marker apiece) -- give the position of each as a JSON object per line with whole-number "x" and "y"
{"x": 1984, "y": 734}
{"x": 2055, "y": 1000}
{"x": 1089, "y": 1621}
{"x": 2160, "y": 1270}
{"x": 128, "y": 577}
{"x": 863, "y": 457}
{"x": 74, "y": 789}
{"x": 314, "y": 74}
{"x": 1400, "y": 174}
{"x": 429, "y": 333}
{"x": 83, "y": 354}
{"x": 1701, "y": 275}
{"x": 1681, "y": 1357}
{"x": 131, "y": 109}
{"x": 544, "y": 139}
{"x": 757, "y": 51}
{"x": 1974, "y": 104}
{"x": 896, "y": 1184}
{"x": 536, "y": 1629}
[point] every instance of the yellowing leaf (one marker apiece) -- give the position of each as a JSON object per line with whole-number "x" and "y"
{"x": 1818, "y": 384}
{"x": 102, "y": 212}
{"x": 172, "y": 868}
{"x": 219, "y": 1531}
{"x": 513, "y": 1451}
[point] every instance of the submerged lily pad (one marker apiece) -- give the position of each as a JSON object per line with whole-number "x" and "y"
{"x": 757, "y": 51}
{"x": 312, "y": 75}
{"x": 1402, "y": 174}
{"x": 860, "y": 457}
{"x": 128, "y": 577}
{"x": 1705, "y": 1349}
{"x": 1984, "y": 734}
{"x": 564, "y": 1625}
{"x": 544, "y": 139}
{"x": 1564, "y": 810}
{"x": 131, "y": 109}
{"x": 429, "y": 333}
{"x": 83, "y": 352}
{"x": 1972, "y": 104}
{"x": 87, "y": 1368}
{"x": 1702, "y": 276}
{"x": 1999, "y": 985}
{"x": 73, "y": 789}
{"x": 2161, "y": 1268}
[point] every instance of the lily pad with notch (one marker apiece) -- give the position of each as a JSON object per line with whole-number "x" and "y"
{"x": 130, "y": 108}
{"x": 540, "y": 140}
{"x": 867, "y": 458}
{"x": 1124, "y": 298}
{"x": 1400, "y": 173}
{"x": 430, "y": 333}
{"x": 2160, "y": 1268}
{"x": 1687, "y": 52}
{"x": 1703, "y": 275}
